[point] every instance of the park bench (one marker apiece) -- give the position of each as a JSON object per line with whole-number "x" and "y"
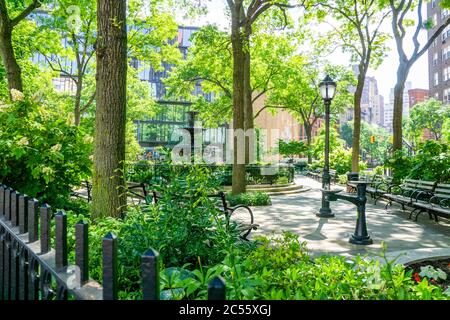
{"x": 241, "y": 215}
{"x": 318, "y": 174}
{"x": 377, "y": 188}
{"x": 436, "y": 205}
{"x": 315, "y": 174}
{"x": 135, "y": 191}
{"x": 407, "y": 191}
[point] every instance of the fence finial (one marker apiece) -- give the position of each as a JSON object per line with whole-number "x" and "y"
{"x": 150, "y": 275}
{"x": 110, "y": 267}
{"x": 216, "y": 289}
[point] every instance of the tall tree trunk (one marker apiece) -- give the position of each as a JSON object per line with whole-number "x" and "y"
{"x": 308, "y": 132}
{"x": 357, "y": 118}
{"x": 109, "y": 196}
{"x": 238, "y": 179}
{"x": 397, "y": 128}
{"x": 77, "y": 108}
{"x": 13, "y": 72}
{"x": 248, "y": 105}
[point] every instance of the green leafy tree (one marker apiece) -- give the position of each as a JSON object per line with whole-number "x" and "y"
{"x": 41, "y": 153}
{"x": 357, "y": 30}
{"x": 211, "y": 63}
{"x": 12, "y": 13}
{"x": 376, "y": 149}
{"x": 401, "y": 21}
{"x": 292, "y": 148}
{"x": 244, "y": 16}
{"x": 430, "y": 115}
{"x": 297, "y": 91}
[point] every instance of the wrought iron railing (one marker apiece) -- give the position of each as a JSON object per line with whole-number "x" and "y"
{"x": 30, "y": 269}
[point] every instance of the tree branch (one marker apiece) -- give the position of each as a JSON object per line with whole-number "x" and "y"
{"x": 25, "y": 13}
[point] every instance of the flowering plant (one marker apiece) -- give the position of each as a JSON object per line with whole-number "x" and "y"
{"x": 41, "y": 154}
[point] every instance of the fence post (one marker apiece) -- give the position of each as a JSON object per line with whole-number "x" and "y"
{"x": 81, "y": 250}
{"x": 15, "y": 208}
{"x": 110, "y": 267}
{"x": 8, "y": 204}
{"x": 2, "y": 200}
{"x": 23, "y": 213}
{"x": 216, "y": 289}
{"x": 61, "y": 240}
{"x": 150, "y": 275}
{"x": 46, "y": 213}
{"x": 33, "y": 220}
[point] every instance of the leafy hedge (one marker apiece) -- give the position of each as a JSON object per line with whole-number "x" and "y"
{"x": 41, "y": 154}
{"x": 256, "y": 198}
{"x": 148, "y": 172}
{"x": 431, "y": 162}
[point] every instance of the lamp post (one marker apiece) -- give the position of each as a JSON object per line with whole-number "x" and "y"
{"x": 327, "y": 90}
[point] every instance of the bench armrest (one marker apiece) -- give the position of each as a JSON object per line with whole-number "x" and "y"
{"x": 419, "y": 193}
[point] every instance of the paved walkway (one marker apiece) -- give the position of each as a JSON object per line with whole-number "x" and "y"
{"x": 296, "y": 213}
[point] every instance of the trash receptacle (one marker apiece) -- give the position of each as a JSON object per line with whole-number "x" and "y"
{"x": 352, "y": 176}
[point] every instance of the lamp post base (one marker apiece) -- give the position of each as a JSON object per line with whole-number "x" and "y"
{"x": 360, "y": 240}
{"x": 325, "y": 213}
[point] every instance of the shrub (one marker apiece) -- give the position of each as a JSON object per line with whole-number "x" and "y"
{"x": 340, "y": 160}
{"x": 40, "y": 153}
{"x": 281, "y": 268}
{"x": 431, "y": 162}
{"x": 184, "y": 227}
{"x": 256, "y": 198}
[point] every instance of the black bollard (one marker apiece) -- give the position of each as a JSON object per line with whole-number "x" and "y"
{"x": 361, "y": 236}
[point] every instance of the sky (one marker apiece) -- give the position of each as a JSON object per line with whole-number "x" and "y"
{"x": 385, "y": 73}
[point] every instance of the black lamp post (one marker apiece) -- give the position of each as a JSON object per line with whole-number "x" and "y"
{"x": 327, "y": 90}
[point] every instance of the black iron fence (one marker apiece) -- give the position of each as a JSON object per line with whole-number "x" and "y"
{"x": 30, "y": 269}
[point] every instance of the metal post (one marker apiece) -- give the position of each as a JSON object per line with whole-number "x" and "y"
{"x": 361, "y": 236}
{"x": 325, "y": 211}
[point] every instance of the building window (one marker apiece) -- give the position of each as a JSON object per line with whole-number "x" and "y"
{"x": 435, "y": 59}
{"x": 445, "y": 53}
{"x": 436, "y": 78}
{"x": 446, "y": 33}
{"x": 446, "y": 97}
{"x": 436, "y": 95}
{"x": 435, "y": 21}
{"x": 444, "y": 13}
{"x": 433, "y": 3}
{"x": 446, "y": 74}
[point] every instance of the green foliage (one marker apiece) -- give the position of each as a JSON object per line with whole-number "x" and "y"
{"x": 431, "y": 162}
{"x": 318, "y": 145}
{"x": 256, "y": 198}
{"x": 340, "y": 160}
{"x": 209, "y": 63}
{"x": 285, "y": 270}
{"x": 376, "y": 151}
{"x": 185, "y": 227}
{"x": 432, "y": 273}
{"x": 340, "y": 157}
{"x": 40, "y": 153}
{"x": 292, "y": 148}
{"x": 430, "y": 115}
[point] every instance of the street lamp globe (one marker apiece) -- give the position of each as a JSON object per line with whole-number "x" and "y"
{"x": 327, "y": 88}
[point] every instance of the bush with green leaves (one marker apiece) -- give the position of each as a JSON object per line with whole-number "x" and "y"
{"x": 41, "y": 154}
{"x": 282, "y": 268}
{"x": 185, "y": 227}
{"x": 431, "y": 162}
{"x": 340, "y": 160}
{"x": 252, "y": 198}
